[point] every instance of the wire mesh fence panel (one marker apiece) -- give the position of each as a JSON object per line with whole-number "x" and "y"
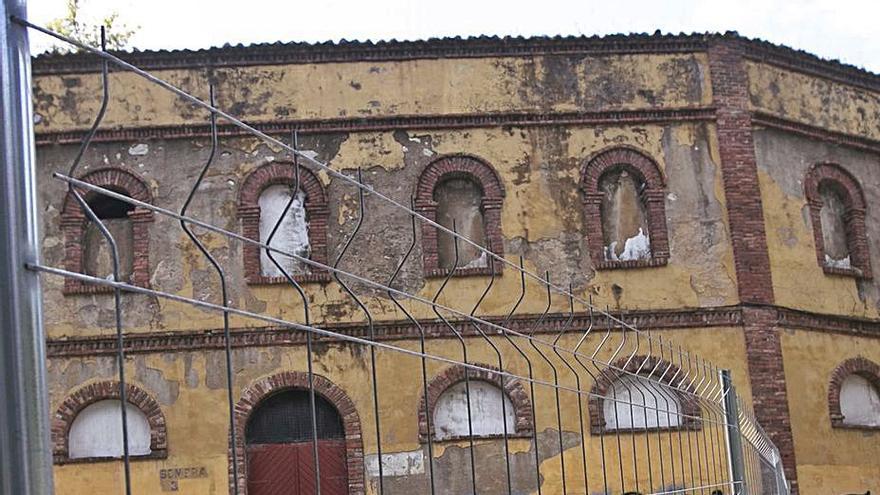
{"x": 522, "y": 384}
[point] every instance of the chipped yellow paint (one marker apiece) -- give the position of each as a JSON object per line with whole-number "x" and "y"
{"x": 830, "y": 460}
{"x": 815, "y": 101}
{"x": 415, "y": 87}
{"x": 792, "y": 254}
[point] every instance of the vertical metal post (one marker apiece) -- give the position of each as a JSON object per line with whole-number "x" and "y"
{"x": 734, "y": 439}
{"x": 25, "y": 455}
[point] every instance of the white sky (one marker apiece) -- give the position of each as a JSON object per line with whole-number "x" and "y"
{"x": 848, "y": 30}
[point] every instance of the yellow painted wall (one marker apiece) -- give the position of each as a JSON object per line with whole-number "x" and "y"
{"x": 830, "y": 460}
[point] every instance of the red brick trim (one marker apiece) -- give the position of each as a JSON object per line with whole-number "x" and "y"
{"x": 854, "y": 141}
{"x": 513, "y": 389}
{"x": 171, "y": 340}
{"x": 94, "y": 392}
{"x": 856, "y": 233}
{"x": 74, "y": 222}
{"x": 745, "y": 217}
{"x": 860, "y": 366}
{"x": 653, "y": 198}
{"x": 265, "y": 387}
{"x": 485, "y": 176}
{"x": 642, "y": 365}
{"x": 317, "y": 211}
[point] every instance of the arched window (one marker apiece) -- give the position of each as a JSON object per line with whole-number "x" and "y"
{"x": 494, "y": 403}
{"x": 87, "y": 251}
{"x": 87, "y": 426}
{"x": 487, "y": 412}
{"x": 837, "y": 210}
{"x": 97, "y": 431}
{"x": 625, "y": 217}
{"x": 854, "y": 395}
{"x": 292, "y": 235}
{"x": 647, "y": 395}
{"x": 466, "y": 190}
{"x": 634, "y": 402}
{"x": 264, "y": 194}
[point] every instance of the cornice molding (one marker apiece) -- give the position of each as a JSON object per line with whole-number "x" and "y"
{"x": 407, "y": 122}
{"x": 723, "y": 316}
{"x": 727, "y": 316}
{"x": 843, "y": 139}
{"x": 382, "y": 51}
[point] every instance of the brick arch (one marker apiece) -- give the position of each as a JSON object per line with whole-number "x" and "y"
{"x": 317, "y": 211}
{"x": 641, "y": 364}
{"x": 89, "y": 394}
{"x": 260, "y": 390}
{"x": 653, "y": 197}
{"x": 856, "y": 233}
{"x": 481, "y": 172}
{"x": 860, "y": 366}
{"x": 513, "y": 389}
{"x": 74, "y": 223}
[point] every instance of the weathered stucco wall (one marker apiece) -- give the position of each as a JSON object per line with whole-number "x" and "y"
{"x": 830, "y": 460}
{"x": 798, "y": 280}
{"x": 542, "y": 219}
{"x": 814, "y": 101}
{"x": 443, "y": 86}
{"x": 194, "y": 380}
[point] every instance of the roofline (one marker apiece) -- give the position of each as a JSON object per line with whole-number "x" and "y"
{"x": 476, "y": 47}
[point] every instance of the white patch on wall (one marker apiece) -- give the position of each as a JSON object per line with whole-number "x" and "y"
{"x": 844, "y": 263}
{"x": 636, "y": 402}
{"x": 293, "y": 234}
{"x": 859, "y": 402}
{"x": 480, "y": 261}
{"x": 139, "y": 149}
{"x": 451, "y": 413}
{"x": 396, "y": 463}
{"x": 637, "y": 247}
{"x": 97, "y": 431}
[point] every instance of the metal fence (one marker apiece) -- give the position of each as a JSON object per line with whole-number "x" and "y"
{"x": 676, "y": 424}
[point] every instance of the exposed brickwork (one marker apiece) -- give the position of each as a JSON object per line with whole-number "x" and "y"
{"x": 653, "y": 196}
{"x": 484, "y": 175}
{"x": 860, "y": 366}
{"x": 74, "y": 222}
{"x": 66, "y": 413}
{"x": 745, "y": 214}
{"x": 258, "y": 391}
{"x": 317, "y": 214}
{"x": 854, "y": 216}
{"x": 663, "y": 370}
{"x": 513, "y": 389}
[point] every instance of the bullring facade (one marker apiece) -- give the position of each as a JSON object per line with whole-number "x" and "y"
{"x": 718, "y": 191}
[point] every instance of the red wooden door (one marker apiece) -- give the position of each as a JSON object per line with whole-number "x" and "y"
{"x": 289, "y": 468}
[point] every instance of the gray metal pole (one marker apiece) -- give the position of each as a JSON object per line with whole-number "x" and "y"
{"x": 25, "y": 454}
{"x": 734, "y": 439}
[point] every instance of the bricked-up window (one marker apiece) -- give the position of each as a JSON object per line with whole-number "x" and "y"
{"x": 854, "y": 395}
{"x": 837, "y": 210}
{"x": 627, "y": 399}
{"x": 467, "y": 189}
{"x": 487, "y": 413}
{"x": 458, "y": 204}
{"x": 87, "y": 426}
{"x": 97, "y": 431}
{"x": 447, "y": 405}
{"x": 292, "y": 235}
{"x": 264, "y": 194}
{"x": 86, "y": 250}
{"x": 625, "y": 213}
{"x": 624, "y": 220}
{"x": 633, "y": 402}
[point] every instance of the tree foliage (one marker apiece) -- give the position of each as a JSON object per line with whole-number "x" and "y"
{"x": 73, "y": 26}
